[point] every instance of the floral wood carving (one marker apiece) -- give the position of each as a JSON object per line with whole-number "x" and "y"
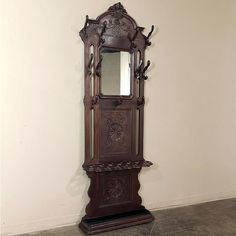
{"x": 114, "y": 189}
{"x": 116, "y": 132}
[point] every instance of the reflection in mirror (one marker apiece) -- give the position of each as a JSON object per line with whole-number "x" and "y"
{"x": 115, "y": 70}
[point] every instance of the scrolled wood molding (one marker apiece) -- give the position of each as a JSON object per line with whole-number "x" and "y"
{"x": 114, "y": 166}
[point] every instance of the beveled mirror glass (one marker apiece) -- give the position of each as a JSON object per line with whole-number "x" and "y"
{"x": 115, "y": 72}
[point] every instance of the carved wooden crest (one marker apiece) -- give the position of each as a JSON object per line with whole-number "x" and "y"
{"x": 115, "y": 23}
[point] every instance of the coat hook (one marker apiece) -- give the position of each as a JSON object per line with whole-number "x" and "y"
{"x": 148, "y": 43}
{"x": 98, "y": 67}
{"x": 145, "y": 69}
{"x": 138, "y": 70}
{"x": 90, "y": 64}
{"x": 150, "y": 33}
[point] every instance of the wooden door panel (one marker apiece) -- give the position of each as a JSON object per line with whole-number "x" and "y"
{"x": 116, "y": 136}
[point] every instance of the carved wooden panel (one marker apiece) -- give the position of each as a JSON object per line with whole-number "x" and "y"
{"x": 116, "y": 188}
{"x": 116, "y": 134}
{"x": 113, "y": 191}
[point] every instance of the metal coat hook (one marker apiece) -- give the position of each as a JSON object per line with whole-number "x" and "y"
{"x": 90, "y": 64}
{"x": 145, "y": 69}
{"x": 150, "y": 33}
{"x": 148, "y": 43}
{"x": 98, "y": 67}
{"x": 138, "y": 70}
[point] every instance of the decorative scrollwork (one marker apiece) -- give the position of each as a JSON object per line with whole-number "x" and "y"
{"x": 125, "y": 165}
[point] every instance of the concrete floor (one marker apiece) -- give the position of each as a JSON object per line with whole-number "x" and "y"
{"x": 208, "y": 219}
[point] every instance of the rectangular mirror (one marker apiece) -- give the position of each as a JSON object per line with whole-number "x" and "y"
{"x": 115, "y": 72}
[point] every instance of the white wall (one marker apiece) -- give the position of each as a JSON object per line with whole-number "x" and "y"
{"x": 190, "y": 122}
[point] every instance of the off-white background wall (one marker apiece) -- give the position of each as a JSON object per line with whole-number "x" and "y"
{"x": 190, "y": 122}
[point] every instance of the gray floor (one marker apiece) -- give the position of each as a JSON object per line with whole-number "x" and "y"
{"x": 214, "y": 218}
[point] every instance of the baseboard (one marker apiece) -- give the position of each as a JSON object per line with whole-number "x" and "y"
{"x": 191, "y": 200}
{"x": 56, "y": 222}
{"x": 39, "y": 225}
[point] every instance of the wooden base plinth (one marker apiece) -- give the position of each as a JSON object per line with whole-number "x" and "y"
{"x": 108, "y": 223}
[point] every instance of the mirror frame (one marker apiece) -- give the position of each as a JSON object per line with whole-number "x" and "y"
{"x": 131, "y": 76}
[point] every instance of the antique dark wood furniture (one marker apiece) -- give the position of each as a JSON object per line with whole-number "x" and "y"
{"x": 114, "y": 51}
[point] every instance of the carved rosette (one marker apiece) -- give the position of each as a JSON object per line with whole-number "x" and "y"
{"x": 115, "y": 130}
{"x": 115, "y": 189}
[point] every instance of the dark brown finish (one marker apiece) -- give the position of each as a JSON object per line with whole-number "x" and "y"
{"x": 112, "y": 166}
{"x": 114, "y": 155}
{"x": 103, "y": 224}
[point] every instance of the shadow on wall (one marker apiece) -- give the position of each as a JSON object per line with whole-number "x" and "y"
{"x": 79, "y": 183}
